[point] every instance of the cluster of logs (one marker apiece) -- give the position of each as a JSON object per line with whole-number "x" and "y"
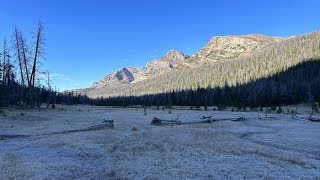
{"x": 204, "y": 119}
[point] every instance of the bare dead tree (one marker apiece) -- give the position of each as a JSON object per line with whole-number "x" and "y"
{"x": 48, "y": 81}
{"x": 28, "y": 59}
{"x": 38, "y": 52}
{"x": 18, "y": 47}
{"x": 25, "y": 59}
{"x": 7, "y": 67}
{"x": 4, "y": 60}
{"x": 311, "y": 101}
{"x": 1, "y": 68}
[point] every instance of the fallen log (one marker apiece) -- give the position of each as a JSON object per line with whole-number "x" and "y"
{"x": 314, "y": 120}
{"x": 106, "y": 124}
{"x": 157, "y": 121}
{"x": 241, "y": 118}
{"x": 306, "y": 119}
{"x": 108, "y": 121}
{"x": 206, "y": 117}
{"x": 161, "y": 122}
{"x": 12, "y": 136}
{"x": 299, "y": 118}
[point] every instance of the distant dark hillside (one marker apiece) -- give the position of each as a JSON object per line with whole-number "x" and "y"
{"x": 271, "y": 60}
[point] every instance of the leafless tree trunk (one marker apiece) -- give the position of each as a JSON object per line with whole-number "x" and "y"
{"x": 18, "y": 52}
{"x": 1, "y": 68}
{"x": 48, "y": 81}
{"x": 25, "y": 60}
{"x": 37, "y": 53}
{"x": 4, "y": 61}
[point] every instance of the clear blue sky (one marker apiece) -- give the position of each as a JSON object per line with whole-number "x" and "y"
{"x": 87, "y": 39}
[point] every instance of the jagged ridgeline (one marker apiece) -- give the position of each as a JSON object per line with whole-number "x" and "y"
{"x": 285, "y": 70}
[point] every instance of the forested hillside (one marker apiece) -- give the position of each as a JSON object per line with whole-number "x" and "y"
{"x": 258, "y": 75}
{"x": 219, "y": 48}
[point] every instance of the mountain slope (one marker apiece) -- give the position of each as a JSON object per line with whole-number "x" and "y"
{"x": 122, "y": 76}
{"x": 272, "y": 59}
{"x": 154, "y": 68}
{"x": 167, "y": 63}
{"x": 218, "y": 48}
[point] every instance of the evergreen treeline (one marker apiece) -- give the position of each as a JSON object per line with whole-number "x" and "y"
{"x": 12, "y": 95}
{"x": 300, "y": 83}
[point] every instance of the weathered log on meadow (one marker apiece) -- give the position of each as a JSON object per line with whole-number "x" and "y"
{"x": 161, "y": 122}
{"x": 306, "y": 119}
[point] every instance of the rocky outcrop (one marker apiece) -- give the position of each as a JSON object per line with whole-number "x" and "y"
{"x": 167, "y": 63}
{"x": 122, "y": 76}
{"x": 154, "y": 68}
{"x": 228, "y": 47}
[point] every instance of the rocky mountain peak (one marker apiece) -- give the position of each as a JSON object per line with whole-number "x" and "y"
{"x": 122, "y": 76}
{"x": 168, "y": 62}
{"x": 174, "y": 56}
{"x": 154, "y": 68}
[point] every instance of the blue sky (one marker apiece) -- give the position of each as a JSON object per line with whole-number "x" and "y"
{"x": 88, "y": 39}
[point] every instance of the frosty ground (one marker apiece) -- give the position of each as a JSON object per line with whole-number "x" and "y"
{"x": 37, "y": 145}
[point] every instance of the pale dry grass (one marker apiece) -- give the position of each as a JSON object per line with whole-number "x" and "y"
{"x": 31, "y": 148}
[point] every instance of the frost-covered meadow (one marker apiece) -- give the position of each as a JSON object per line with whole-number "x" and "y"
{"x": 37, "y": 145}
